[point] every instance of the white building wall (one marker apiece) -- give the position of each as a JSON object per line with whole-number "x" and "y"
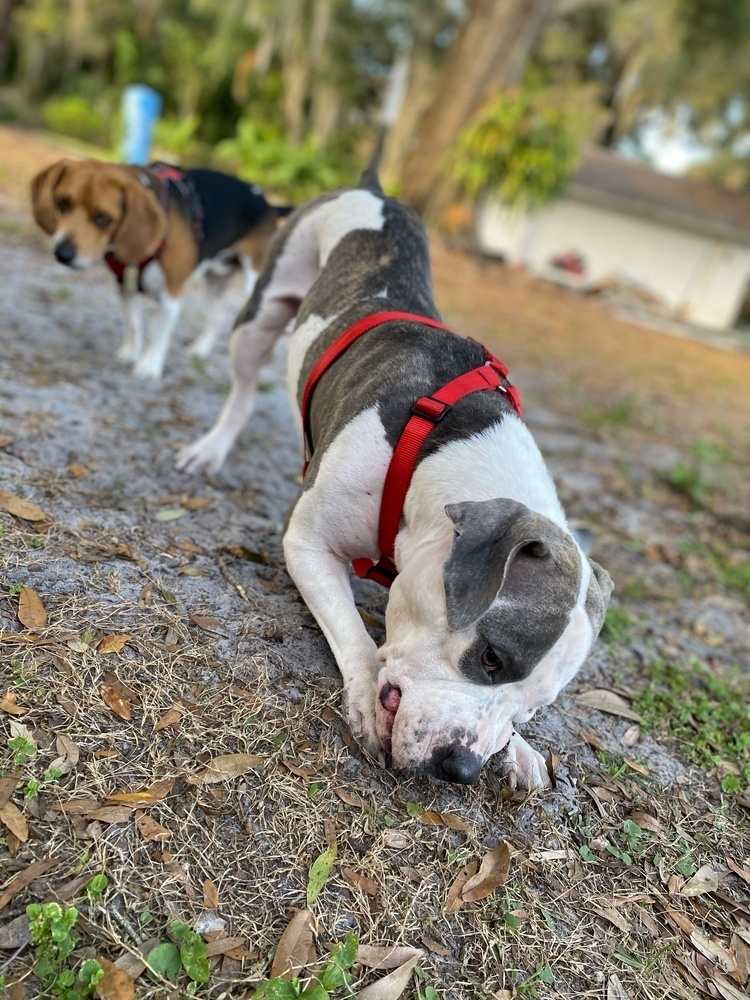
{"x": 699, "y": 279}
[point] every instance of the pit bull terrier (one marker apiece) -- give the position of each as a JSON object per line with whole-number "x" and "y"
{"x": 495, "y": 606}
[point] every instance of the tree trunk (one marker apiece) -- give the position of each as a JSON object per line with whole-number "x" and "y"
{"x": 296, "y": 70}
{"x": 490, "y": 52}
{"x": 6, "y": 9}
{"x": 325, "y": 99}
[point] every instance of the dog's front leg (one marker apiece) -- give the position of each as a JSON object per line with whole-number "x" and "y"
{"x": 151, "y": 363}
{"x": 322, "y": 579}
{"x": 131, "y": 307}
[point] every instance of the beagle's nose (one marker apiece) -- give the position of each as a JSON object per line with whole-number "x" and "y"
{"x": 65, "y": 252}
{"x": 457, "y": 764}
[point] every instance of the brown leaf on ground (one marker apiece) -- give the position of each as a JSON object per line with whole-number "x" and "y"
{"x": 437, "y": 947}
{"x": 350, "y": 798}
{"x": 31, "y": 612}
{"x": 646, "y": 821}
{"x": 206, "y": 623}
{"x": 607, "y": 701}
{"x": 744, "y": 873}
{"x": 431, "y": 818}
{"x": 146, "y": 797}
{"x": 223, "y": 946}
{"x": 8, "y": 703}
{"x": 194, "y": 503}
{"x": 5, "y": 440}
{"x": 69, "y": 752}
{"x": 714, "y": 950}
{"x": 293, "y": 950}
{"x": 15, "y": 934}
{"x": 22, "y": 508}
{"x": 14, "y": 821}
{"x": 392, "y": 986}
{"x": 492, "y": 873}
{"x": 115, "y": 984}
{"x": 76, "y": 807}
{"x": 741, "y": 951}
{"x": 210, "y": 895}
{"x": 115, "y": 701}
{"x": 386, "y": 957}
{"x": 23, "y": 878}
{"x": 112, "y": 643}
{"x": 68, "y": 890}
{"x": 7, "y": 787}
{"x": 454, "y": 902}
{"x": 225, "y": 767}
{"x": 361, "y": 881}
{"x": 170, "y": 718}
{"x": 149, "y": 829}
{"x": 706, "y": 879}
{"x": 111, "y": 814}
{"x": 615, "y": 989}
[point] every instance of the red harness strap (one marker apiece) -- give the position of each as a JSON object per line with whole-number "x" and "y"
{"x": 427, "y": 412}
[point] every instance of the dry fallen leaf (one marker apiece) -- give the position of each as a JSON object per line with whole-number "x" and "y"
{"x": 361, "y": 881}
{"x": 430, "y": 818}
{"x": 8, "y": 703}
{"x": 13, "y": 819}
{"x": 115, "y": 701}
{"x": 23, "y": 878}
{"x": 706, "y": 879}
{"x": 210, "y": 895}
{"x": 225, "y": 767}
{"x": 22, "y": 508}
{"x": 350, "y": 798}
{"x": 437, "y": 947}
{"x": 392, "y": 986}
{"x": 113, "y": 643}
{"x": 7, "y": 787}
{"x": 146, "y": 797}
{"x": 149, "y": 829}
{"x": 492, "y": 873}
{"x": 170, "y": 718}
{"x": 387, "y": 957}
{"x": 111, "y": 814}
{"x": 607, "y": 701}
{"x": 5, "y": 440}
{"x": 454, "y": 902}
{"x": 615, "y": 989}
{"x": 69, "y": 754}
{"x": 294, "y": 947}
{"x": 15, "y": 934}
{"x": 31, "y": 611}
{"x": 223, "y": 946}
{"x": 115, "y": 984}
{"x": 396, "y": 840}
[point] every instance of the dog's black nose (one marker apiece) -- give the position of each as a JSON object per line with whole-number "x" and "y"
{"x": 458, "y": 764}
{"x": 65, "y": 252}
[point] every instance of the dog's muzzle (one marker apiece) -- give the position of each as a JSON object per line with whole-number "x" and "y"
{"x": 457, "y": 764}
{"x": 65, "y": 252}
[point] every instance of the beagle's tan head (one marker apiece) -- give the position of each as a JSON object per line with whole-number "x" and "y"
{"x": 89, "y": 207}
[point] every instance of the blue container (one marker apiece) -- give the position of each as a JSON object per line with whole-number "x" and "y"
{"x": 141, "y": 107}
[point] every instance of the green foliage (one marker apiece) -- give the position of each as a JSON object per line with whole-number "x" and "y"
{"x": 707, "y": 713}
{"x": 74, "y": 115}
{"x": 617, "y": 625}
{"x": 22, "y": 749}
{"x": 165, "y": 960}
{"x": 521, "y": 147}
{"x": 177, "y": 137}
{"x": 96, "y": 887}
{"x": 51, "y": 926}
{"x": 296, "y": 172}
{"x": 335, "y": 974}
{"x": 192, "y": 952}
{"x": 319, "y": 871}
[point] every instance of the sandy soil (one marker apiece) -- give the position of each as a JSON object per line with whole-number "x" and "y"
{"x": 191, "y": 571}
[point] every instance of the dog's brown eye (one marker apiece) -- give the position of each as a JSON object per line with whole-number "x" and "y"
{"x": 62, "y": 204}
{"x": 490, "y": 661}
{"x": 102, "y": 220}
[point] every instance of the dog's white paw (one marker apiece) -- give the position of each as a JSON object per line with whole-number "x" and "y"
{"x": 524, "y": 766}
{"x": 147, "y": 366}
{"x": 202, "y": 346}
{"x": 358, "y": 704}
{"x": 128, "y": 353}
{"x": 206, "y": 455}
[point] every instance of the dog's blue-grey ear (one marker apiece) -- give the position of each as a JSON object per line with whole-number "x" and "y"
{"x": 488, "y": 535}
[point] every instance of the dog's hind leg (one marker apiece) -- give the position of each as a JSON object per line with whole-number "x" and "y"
{"x": 218, "y": 295}
{"x": 286, "y": 279}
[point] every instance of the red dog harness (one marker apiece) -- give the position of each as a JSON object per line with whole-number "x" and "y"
{"x": 164, "y": 173}
{"x": 426, "y": 413}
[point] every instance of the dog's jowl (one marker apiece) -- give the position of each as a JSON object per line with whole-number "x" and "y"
{"x": 493, "y": 605}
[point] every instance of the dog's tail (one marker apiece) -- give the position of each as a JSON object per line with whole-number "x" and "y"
{"x": 393, "y": 98}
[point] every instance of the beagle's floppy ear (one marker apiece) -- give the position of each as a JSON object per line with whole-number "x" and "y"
{"x": 43, "y": 195}
{"x": 143, "y": 226}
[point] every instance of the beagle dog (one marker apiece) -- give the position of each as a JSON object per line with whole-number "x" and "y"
{"x": 156, "y": 227}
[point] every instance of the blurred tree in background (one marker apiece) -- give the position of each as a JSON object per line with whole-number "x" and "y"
{"x": 500, "y": 93}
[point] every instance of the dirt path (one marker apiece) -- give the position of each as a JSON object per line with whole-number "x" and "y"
{"x": 648, "y": 438}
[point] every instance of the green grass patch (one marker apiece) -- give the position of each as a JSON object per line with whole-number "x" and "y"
{"x": 619, "y": 414}
{"x": 707, "y": 713}
{"x": 617, "y": 625}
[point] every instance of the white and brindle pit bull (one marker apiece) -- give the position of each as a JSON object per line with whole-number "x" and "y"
{"x": 495, "y": 606}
